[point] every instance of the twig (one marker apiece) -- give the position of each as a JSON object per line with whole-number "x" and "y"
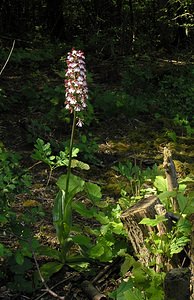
{"x": 54, "y": 286}
{"x": 10, "y": 53}
{"x": 106, "y": 271}
{"x": 37, "y": 163}
{"x": 47, "y": 289}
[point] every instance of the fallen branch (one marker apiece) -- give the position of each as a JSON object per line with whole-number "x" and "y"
{"x": 54, "y": 286}
{"x": 47, "y": 289}
{"x": 10, "y": 53}
{"x": 91, "y": 291}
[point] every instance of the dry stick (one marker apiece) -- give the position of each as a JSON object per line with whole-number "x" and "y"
{"x": 91, "y": 291}
{"x": 106, "y": 271}
{"x": 8, "y": 57}
{"x": 37, "y": 163}
{"x": 48, "y": 290}
{"x": 54, "y": 286}
{"x": 171, "y": 176}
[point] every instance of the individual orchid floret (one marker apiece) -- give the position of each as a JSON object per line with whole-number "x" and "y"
{"x": 75, "y": 83}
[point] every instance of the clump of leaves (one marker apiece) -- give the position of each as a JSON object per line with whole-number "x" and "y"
{"x": 43, "y": 152}
{"x": 13, "y": 179}
{"x": 139, "y": 282}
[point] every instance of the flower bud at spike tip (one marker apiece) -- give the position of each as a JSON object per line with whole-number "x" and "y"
{"x": 75, "y": 83}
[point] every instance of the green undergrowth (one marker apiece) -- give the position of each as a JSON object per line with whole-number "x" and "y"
{"x": 150, "y": 107}
{"x": 103, "y": 237}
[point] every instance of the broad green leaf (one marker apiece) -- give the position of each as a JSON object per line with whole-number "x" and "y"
{"x": 82, "y": 240}
{"x": 160, "y": 183}
{"x": 20, "y": 269}
{"x": 183, "y": 202}
{"x": 189, "y": 209}
{"x": 48, "y": 269}
{"x": 117, "y": 227}
{"x": 184, "y": 226}
{"x": 4, "y": 251}
{"x": 118, "y": 294}
{"x": 93, "y": 191}
{"x": 96, "y": 251}
{"x": 3, "y": 219}
{"x": 153, "y": 222}
{"x": 79, "y": 164}
{"x": 134, "y": 294}
{"x": 52, "y": 157}
{"x": 127, "y": 264}
{"x": 19, "y": 257}
{"x": 186, "y": 180}
{"x": 75, "y": 152}
{"x": 102, "y": 218}
{"x": 104, "y": 229}
{"x": 26, "y": 249}
{"x": 166, "y": 195}
{"x": 78, "y": 266}
{"x": 83, "y": 211}
{"x": 62, "y": 216}
{"x": 182, "y": 187}
{"x": 58, "y": 208}
{"x": 76, "y": 184}
{"x": 50, "y": 252}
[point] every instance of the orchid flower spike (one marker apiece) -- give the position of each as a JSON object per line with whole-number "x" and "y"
{"x": 75, "y": 83}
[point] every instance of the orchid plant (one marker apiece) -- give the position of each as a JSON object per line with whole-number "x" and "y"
{"x": 69, "y": 184}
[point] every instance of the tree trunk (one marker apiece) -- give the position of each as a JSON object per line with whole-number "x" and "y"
{"x": 137, "y": 233}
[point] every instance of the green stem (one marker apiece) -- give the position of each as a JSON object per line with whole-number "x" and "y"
{"x": 70, "y": 156}
{"x": 64, "y": 203}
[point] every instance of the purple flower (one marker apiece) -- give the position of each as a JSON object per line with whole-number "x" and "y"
{"x": 75, "y": 83}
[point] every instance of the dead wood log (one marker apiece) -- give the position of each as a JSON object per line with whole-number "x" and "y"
{"x": 171, "y": 176}
{"x": 137, "y": 233}
{"x": 91, "y": 291}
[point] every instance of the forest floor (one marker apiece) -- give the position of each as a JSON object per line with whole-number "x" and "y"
{"x": 140, "y": 140}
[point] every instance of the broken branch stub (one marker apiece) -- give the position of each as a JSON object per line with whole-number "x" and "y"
{"x": 137, "y": 233}
{"x": 171, "y": 176}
